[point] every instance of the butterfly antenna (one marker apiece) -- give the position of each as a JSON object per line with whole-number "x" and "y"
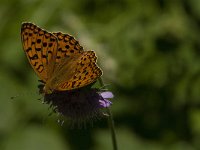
{"x": 104, "y": 87}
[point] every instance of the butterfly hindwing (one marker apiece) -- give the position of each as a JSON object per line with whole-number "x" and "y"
{"x": 86, "y": 72}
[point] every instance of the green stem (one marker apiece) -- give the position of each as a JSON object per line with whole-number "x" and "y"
{"x": 110, "y": 122}
{"x": 112, "y": 128}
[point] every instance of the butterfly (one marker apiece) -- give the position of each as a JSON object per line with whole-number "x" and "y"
{"x": 58, "y": 59}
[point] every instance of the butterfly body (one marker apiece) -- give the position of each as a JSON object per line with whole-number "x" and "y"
{"x": 58, "y": 59}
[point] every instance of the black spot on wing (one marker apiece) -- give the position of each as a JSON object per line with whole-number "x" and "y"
{"x": 34, "y": 57}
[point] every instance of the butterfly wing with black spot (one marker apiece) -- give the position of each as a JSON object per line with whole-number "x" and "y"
{"x": 67, "y": 46}
{"x": 40, "y": 47}
{"x": 84, "y": 72}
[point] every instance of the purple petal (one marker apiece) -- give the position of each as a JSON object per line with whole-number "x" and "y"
{"x": 107, "y": 95}
{"x": 105, "y": 103}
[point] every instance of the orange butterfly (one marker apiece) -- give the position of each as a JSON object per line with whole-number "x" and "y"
{"x": 58, "y": 59}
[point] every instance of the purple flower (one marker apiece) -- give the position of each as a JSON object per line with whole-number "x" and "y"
{"x": 81, "y": 104}
{"x": 104, "y": 102}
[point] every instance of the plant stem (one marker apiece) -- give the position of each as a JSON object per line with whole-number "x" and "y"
{"x": 110, "y": 122}
{"x": 112, "y": 128}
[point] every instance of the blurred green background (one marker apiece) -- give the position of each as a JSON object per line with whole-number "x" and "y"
{"x": 149, "y": 52}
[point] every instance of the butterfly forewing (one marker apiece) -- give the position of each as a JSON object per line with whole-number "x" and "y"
{"x": 40, "y": 48}
{"x": 67, "y": 46}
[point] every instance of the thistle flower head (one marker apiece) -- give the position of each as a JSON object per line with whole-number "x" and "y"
{"x": 79, "y": 105}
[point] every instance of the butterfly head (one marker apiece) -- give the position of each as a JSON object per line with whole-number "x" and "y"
{"x": 47, "y": 90}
